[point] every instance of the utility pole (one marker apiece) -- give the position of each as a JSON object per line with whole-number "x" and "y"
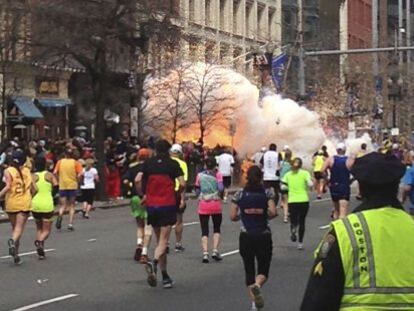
{"x": 375, "y": 66}
{"x": 400, "y": 31}
{"x": 301, "y": 72}
{"x": 408, "y": 42}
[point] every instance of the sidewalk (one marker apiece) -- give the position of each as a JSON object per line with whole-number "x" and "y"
{"x": 105, "y": 205}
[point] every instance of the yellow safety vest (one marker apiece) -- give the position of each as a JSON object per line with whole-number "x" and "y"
{"x": 377, "y": 252}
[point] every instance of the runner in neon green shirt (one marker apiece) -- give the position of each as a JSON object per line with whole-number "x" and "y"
{"x": 297, "y": 181}
{"x": 176, "y": 153}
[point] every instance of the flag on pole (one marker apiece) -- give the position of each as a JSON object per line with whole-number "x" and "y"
{"x": 278, "y": 70}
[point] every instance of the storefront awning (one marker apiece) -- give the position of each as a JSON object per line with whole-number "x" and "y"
{"x": 27, "y": 107}
{"x": 54, "y": 102}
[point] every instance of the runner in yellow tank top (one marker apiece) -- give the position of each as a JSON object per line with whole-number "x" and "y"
{"x": 68, "y": 171}
{"x": 42, "y": 204}
{"x": 18, "y": 191}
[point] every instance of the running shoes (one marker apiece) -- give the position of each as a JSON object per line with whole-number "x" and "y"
{"x": 59, "y": 223}
{"x": 179, "y": 248}
{"x": 257, "y": 295}
{"x": 205, "y": 258}
{"x": 40, "y": 249}
{"x": 151, "y": 270}
{"x": 216, "y": 256}
{"x": 167, "y": 283}
{"x": 138, "y": 253}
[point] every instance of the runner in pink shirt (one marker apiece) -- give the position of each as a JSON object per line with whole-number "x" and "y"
{"x": 209, "y": 185}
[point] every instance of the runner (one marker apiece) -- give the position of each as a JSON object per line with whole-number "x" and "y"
{"x": 158, "y": 174}
{"x": 285, "y": 167}
{"x": 18, "y": 191}
{"x": 318, "y": 162}
{"x": 209, "y": 185}
{"x": 297, "y": 182}
{"x": 225, "y": 163}
{"x": 144, "y": 231}
{"x": 42, "y": 204}
{"x": 257, "y": 157}
{"x": 339, "y": 183}
{"x": 68, "y": 171}
{"x": 270, "y": 163}
{"x": 408, "y": 183}
{"x": 176, "y": 154}
{"x": 254, "y": 206}
{"x": 90, "y": 178}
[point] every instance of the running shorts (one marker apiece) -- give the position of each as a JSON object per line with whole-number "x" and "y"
{"x": 162, "y": 216}
{"x": 137, "y": 210}
{"x": 43, "y": 216}
{"x": 318, "y": 175}
{"x": 88, "y": 196}
{"x": 68, "y": 194}
{"x": 227, "y": 181}
{"x": 180, "y": 211}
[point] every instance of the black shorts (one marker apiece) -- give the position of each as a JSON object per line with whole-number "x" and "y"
{"x": 275, "y": 184}
{"x": 340, "y": 197}
{"x": 318, "y": 175}
{"x": 161, "y": 217}
{"x": 88, "y": 196}
{"x": 180, "y": 211}
{"x": 43, "y": 216}
{"x": 227, "y": 181}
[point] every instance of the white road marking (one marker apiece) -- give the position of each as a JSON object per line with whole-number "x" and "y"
{"x": 324, "y": 227}
{"x": 28, "y": 253}
{"x": 91, "y": 240}
{"x": 191, "y": 223}
{"x": 322, "y": 200}
{"x": 230, "y": 253}
{"x": 188, "y": 224}
{"x": 45, "y": 302}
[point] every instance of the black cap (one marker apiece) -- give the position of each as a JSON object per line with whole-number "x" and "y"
{"x": 378, "y": 169}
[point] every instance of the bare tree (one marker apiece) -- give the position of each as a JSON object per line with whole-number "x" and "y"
{"x": 12, "y": 50}
{"x": 94, "y": 33}
{"x": 173, "y": 109}
{"x": 211, "y": 103}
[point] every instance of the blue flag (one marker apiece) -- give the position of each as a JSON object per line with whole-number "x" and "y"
{"x": 278, "y": 70}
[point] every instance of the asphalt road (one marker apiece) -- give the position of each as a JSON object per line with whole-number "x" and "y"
{"x": 94, "y": 264}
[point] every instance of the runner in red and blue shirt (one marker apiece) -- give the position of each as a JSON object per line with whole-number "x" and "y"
{"x": 156, "y": 181}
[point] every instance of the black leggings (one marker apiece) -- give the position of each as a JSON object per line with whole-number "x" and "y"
{"x": 298, "y": 212}
{"x": 217, "y": 219}
{"x": 255, "y": 247}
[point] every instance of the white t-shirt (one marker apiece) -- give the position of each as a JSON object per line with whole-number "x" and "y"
{"x": 225, "y": 161}
{"x": 89, "y": 178}
{"x": 270, "y": 165}
{"x": 257, "y": 158}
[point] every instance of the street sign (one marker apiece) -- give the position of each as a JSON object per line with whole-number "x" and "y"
{"x": 134, "y": 122}
{"x": 395, "y": 131}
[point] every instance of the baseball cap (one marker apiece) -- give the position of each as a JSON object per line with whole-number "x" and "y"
{"x": 286, "y": 147}
{"x": 340, "y": 146}
{"x": 176, "y": 148}
{"x": 19, "y": 157}
{"x": 263, "y": 149}
{"x": 395, "y": 146}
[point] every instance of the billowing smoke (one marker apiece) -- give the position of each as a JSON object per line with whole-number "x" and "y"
{"x": 276, "y": 120}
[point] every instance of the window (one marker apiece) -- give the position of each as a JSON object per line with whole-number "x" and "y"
{"x": 249, "y": 12}
{"x": 270, "y": 21}
{"x": 236, "y": 14}
{"x": 208, "y": 12}
{"x": 222, "y": 14}
{"x": 260, "y": 19}
{"x": 191, "y": 10}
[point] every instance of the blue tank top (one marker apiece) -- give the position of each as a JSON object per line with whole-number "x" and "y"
{"x": 340, "y": 176}
{"x": 253, "y": 211}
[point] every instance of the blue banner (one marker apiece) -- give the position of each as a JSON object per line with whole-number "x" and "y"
{"x": 278, "y": 70}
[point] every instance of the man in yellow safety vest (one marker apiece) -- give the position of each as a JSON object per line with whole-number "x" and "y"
{"x": 366, "y": 261}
